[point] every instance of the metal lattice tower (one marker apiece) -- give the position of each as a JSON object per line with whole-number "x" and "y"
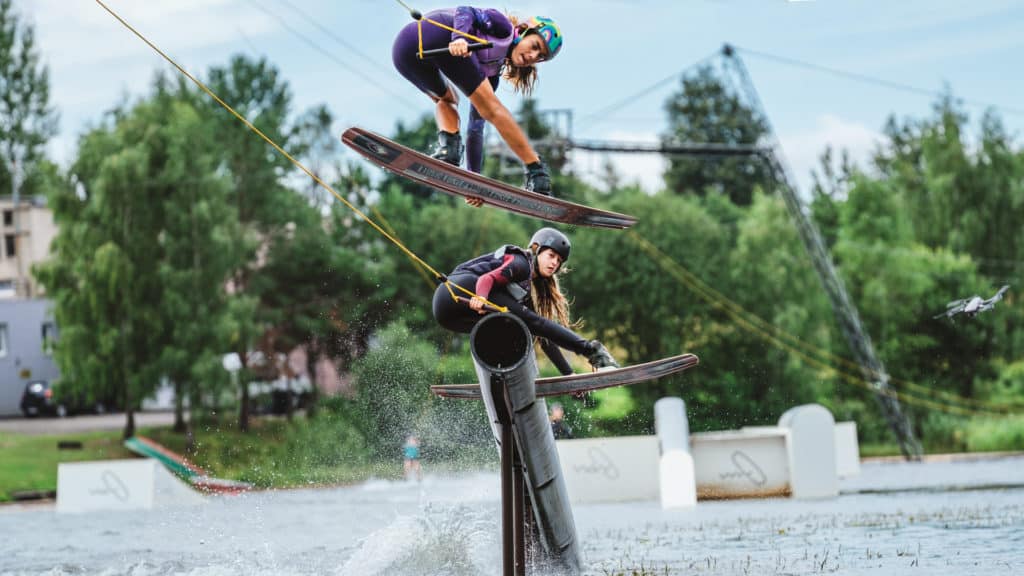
{"x": 871, "y": 366}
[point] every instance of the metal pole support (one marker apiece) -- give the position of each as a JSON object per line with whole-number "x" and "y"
{"x": 507, "y": 370}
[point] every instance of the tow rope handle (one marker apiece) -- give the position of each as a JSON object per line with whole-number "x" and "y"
{"x": 424, "y": 54}
{"x": 420, "y": 18}
{"x": 442, "y": 279}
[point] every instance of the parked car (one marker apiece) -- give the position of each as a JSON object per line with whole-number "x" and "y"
{"x": 39, "y": 399}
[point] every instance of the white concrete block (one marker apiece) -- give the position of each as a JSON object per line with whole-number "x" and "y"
{"x": 677, "y": 480}
{"x": 812, "y": 451}
{"x": 119, "y": 485}
{"x": 610, "y": 469}
{"x": 671, "y": 425}
{"x": 847, "y": 450}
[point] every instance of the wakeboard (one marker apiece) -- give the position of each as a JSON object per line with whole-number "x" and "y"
{"x": 579, "y": 383}
{"x": 453, "y": 180}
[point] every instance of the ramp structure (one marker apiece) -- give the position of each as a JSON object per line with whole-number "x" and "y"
{"x": 183, "y": 468}
{"x": 120, "y": 485}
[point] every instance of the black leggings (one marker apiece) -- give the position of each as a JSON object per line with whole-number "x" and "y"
{"x": 459, "y": 317}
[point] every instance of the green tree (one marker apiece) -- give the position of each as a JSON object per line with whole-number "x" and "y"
{"x": 104, "y": 271}
{"x": 828, "y": 191}
{"x": 967, "y": 198}
{"x": 255, "y": 90}
{"x": 652, "y": 313}
{"x": 899, "y": 285}
{"x": 706, "y": 111}
{"x": 314, "y": 128}
{"x": 319, "y": 293}
{"x": 27, "y": 121}
{"x": 772, "y": 278}
{"x": 200, "y": 226}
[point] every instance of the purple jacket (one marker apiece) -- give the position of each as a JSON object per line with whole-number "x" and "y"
{"x": 490, "y": 25}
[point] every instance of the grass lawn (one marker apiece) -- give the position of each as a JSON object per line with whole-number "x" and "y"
{"x": 30, "y": 462}
{"x": 273, "y": 454}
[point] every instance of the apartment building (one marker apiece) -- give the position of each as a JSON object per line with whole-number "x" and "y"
{"x": 25, "y": 236}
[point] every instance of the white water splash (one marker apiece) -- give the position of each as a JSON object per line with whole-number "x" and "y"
{"x": 439, "y": 540}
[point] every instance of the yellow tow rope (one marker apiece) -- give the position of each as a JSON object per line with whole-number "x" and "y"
{"x": 440, "y": 278}
{"x": 419, "y": 18}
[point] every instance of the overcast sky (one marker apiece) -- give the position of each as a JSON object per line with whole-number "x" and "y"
{"x": 337, "y": 52}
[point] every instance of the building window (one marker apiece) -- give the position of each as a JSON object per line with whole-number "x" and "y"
{"x": 8, "y": 217}
{"x": 10, "y": 245}
{"x": 49, "y": 337}
{"x": 3, "y": 340}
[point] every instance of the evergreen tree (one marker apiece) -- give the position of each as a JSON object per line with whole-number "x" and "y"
{"x": 199, "y": 228}
{"x": 255, "y": 90}
{"x": 707, "y": 111}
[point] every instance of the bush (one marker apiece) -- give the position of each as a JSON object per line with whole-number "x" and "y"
{"x": 943, "y": 433}
{"x": 392, "y": 387}
{"x": 995, "y": 434}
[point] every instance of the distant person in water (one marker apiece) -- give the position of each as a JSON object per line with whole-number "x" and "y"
{"x": 559, "y": 428}
{"x": 411, "y": 453}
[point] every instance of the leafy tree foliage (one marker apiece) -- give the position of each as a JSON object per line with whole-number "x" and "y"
{"x": 255, "y": 90}
{"x": 707, "y": 111}
{"x": 969, "y": 201}
{"x": 197, "y": 236}
{"x": 27, "y": 121}
{"x": 104, "y": 275}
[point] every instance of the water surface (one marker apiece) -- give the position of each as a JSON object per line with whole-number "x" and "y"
{"x": 894, "y": 518}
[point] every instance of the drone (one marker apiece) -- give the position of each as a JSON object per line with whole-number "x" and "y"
{"x": 972, "y": 306}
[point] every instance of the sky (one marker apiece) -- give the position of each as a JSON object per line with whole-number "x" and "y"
{"x": 337, "y": 52}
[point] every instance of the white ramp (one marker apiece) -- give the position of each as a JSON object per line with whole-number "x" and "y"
{"x": 120, "y": 485}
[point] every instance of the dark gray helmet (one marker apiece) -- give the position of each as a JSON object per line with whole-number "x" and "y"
{"x": 551, "y": 238}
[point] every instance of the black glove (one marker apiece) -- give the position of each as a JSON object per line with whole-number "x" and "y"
{"x": 599, "y": 356}
{"x": 537, "y": 178}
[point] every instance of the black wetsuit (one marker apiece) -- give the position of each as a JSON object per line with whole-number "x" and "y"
{"x": 503, "y": 277}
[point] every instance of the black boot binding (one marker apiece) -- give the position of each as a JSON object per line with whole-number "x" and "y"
{"x": 449, "y": 147}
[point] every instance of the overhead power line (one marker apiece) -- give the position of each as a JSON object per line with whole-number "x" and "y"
{"x": 602, "y": 114}
{"x": 334, "y": 58}
{"x": 330, "y": 33}
{"x": 872, "y": 80}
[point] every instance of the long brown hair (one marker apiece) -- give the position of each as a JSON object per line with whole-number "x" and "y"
{"x": 522, "y": 78}
{"x": 546, "y": 293}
